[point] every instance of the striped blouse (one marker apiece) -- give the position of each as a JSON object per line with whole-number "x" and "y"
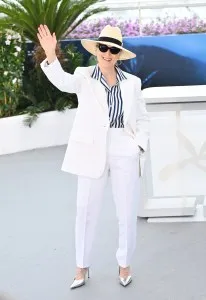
{"x": 114, "y": 97}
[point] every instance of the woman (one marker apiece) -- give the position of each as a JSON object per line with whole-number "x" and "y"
{"x": 109, "y": 135}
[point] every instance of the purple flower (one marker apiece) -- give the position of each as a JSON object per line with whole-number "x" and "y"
{"x": 132, "y": 27}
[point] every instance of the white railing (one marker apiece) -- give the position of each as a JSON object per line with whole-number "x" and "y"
{"x": 152, "y": 4}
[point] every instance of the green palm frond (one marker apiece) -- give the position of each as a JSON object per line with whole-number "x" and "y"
{"x": 14, "y": 6}
{"x": 18, "y": 18}
{"x": 29, "y": 7}
{"x": 50, "y": 14}
{"x": 61, "y": 16}
{"x": 5, "y": 22}
{"x": 39, "y": 6}
{"x": 86, "y": 16}
{"x": 30, "y": 119}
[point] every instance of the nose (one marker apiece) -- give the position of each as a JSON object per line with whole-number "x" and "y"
{"x": 107, "y": 53}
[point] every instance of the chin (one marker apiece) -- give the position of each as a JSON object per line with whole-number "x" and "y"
{"x": 107, "y": 63}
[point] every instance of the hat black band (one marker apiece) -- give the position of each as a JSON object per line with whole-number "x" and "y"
{"x": 110, "y": 40}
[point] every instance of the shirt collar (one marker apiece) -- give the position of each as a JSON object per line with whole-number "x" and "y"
{"x": 120, "y": 74}
{"x": 97, "y": 74}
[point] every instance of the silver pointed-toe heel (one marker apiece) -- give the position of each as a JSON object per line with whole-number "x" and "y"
{"x": 80, "y": 282}
{"x": 125, "y": 281}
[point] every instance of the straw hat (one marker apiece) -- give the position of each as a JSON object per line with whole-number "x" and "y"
{"x": 112, "y": 37}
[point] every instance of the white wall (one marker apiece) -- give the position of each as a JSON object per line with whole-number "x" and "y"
{"x": 51, "y": 129}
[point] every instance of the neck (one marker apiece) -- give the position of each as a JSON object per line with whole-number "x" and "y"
{"x": 108, "y": 72}
{"x": 110, "y": 75}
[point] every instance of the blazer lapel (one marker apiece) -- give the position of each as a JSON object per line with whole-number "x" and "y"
{"x": 98, "y": 90}
{"x": 100, "y": 94}
{"x": 126, "y": 98}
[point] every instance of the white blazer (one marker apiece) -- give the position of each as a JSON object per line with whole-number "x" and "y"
{"x": 86, "y": 150}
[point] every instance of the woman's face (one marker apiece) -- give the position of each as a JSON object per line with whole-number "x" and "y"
{"x": 106, "y": 59}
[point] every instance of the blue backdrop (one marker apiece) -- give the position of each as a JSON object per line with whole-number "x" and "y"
{"x": 164, "y": 60}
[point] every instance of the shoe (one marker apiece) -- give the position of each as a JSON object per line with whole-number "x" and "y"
{"x": 80, "y": 282}
{"x": 125, "y": 281}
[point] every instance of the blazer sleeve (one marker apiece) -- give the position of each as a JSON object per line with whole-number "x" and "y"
{"x": 64, "y": 81}
{"x": 142, "y": 122}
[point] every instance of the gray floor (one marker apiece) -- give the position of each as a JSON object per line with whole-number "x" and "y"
{"x": 37, "y": 213}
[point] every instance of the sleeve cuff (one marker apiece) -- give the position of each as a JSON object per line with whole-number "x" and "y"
{"x": 45, "y": 63}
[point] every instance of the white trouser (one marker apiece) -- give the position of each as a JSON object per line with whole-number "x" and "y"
{"x": 122, "y": 164}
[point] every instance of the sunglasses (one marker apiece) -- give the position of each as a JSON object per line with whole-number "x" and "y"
{"x": 105, "y": 48}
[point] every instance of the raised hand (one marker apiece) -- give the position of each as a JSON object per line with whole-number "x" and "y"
{"x": 48, "y": 41}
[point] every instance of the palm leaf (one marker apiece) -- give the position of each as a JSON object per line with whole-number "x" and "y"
{"x": 59, "y": 15}
{"x": 30, "y": 119}
{"x": 63, "y": 103}
{"x": 10, "y": 11}
{"x": 28, "y": 8}
{"x": 73, "y": 19}
{"x": 39, "y": 6}
{"x": 86, "y": 16}
{"x": 11, "y": 4}
{"x": 17, "y": 18}
{"x": 5, "y": 22}
{"x": 50, "y": 13}
{"x": 24, "y": 16}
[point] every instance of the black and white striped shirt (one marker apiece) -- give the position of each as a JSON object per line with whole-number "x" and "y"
{"x": 114, "y": 97}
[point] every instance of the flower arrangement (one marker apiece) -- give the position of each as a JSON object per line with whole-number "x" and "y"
{"x": 24, "y": 89}
{"x": 12, "y": 56}
{"x": 159, "y": 26}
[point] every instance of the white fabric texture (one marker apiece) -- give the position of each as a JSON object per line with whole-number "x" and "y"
{"x": 122, "y": 164}
{"x": 86, "y": 150}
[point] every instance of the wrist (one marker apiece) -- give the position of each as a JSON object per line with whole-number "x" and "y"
{"x": 50, "y": 57}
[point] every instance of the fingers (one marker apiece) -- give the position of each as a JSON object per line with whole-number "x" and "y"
{"x": 54, "y": 36}
{"x": 47, "y": 30}
{"x": 43, "y": 31}
{"x": 39, "y": 37}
